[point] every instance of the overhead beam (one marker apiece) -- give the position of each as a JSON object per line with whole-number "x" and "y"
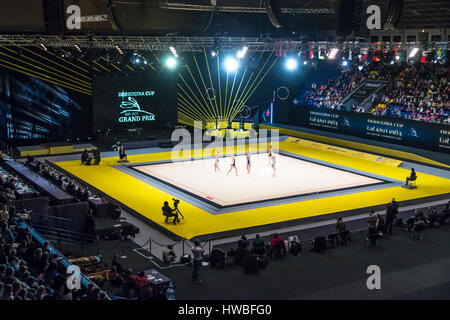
{"x": 191, "y": 44}
{"x": 237, "y": 9}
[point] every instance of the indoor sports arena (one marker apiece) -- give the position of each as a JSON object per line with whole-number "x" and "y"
{"x": 224, "y": 150}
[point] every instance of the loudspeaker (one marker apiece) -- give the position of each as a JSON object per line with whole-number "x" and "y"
{"x": 320, "y": 244}
{"x": 185, "y": 259}
{"x": 273, "y": 13}
{"x": 395, "y": 9}
{"x": 111, "y": 18}
{"x": 217, "y": 258}
{"x": 251, "y": 264}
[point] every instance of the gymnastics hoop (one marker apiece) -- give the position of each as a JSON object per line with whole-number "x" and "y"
{"x": 209, "y": 95}
{"x": 282, "y": 97}
{"x": 247, "y": 113}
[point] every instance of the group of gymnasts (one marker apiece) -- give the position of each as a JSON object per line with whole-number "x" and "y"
{"x": 271, "y": 157}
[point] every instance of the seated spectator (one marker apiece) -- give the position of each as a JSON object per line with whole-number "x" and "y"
{"x": 114, "y": 277}
{"x": 169, "y": 254}
{"x": 6, "y": 233}
{"x": 342, "y": 231}
{"x": 277, "y": 242}
{"x": 412, "y": 177}
{"x": 96, "y": 155}
{"x": 141, "y": 283}
{"x": 7, "y": 292}
{"x": 259, "y": 246}
{"x": 243, "y": 243}
{"x": 4, "y": 215}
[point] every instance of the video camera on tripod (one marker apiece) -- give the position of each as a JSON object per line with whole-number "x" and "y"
{"x": 176, "y": 202}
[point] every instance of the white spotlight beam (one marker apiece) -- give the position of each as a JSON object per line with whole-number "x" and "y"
{"x": 332, "y": 54}
{"x": 413, "y": 52}
{"x": 174, "y": 52}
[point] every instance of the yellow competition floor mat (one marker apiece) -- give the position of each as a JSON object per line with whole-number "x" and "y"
{"x": 147, "y": 200}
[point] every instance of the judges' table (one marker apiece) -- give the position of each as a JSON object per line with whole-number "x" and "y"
{"x": 158, "y": 282}
{"x": 41, "y": 184}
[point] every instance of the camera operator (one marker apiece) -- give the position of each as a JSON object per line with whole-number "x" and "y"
{"x": 169, "y": 213}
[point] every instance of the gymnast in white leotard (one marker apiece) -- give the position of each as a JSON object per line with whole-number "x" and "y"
{"x": 216, "y": 162}
{"x": 274, "y": 167}
{"x": 270, "y": 153}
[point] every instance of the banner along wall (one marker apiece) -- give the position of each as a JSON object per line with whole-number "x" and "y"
{"x": 419, "y": 134}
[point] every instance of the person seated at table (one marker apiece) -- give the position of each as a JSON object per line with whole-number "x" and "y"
{"x": 122, "y": 154}
{"x": 84, "y": 156}
{"x": 116, "y": 212}
{"x": 97, "y": 158}
{"x": 140, "y": 282}
{"x": 168, "y": 254}
{"x": 412, "y": 177}
{"x": 64, "y": 184}
{"x": 84, "y": 195}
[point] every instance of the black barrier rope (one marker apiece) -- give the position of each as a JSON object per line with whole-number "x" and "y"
{"x": 165, "y": 245}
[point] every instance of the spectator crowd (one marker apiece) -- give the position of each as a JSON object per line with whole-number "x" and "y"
{"x": 418, "y": 91}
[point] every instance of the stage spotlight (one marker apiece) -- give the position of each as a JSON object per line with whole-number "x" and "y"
{"x": 213, "y": 53}
{"x": 332, "y": 54}
{"x": 291, "y": 64}
{"x": 305, "y": 62}
{"x": 174, "y": 52}
{"x": 413, "y": 52}
{"x": 137, "y": 60}
{"x": 360, "y": 68}
{"x": 231, "y": 64}
{"x": 171, "y": 62}
{"x": 241, "y": 53}
{"x": 397, "y": 58}
{"x": 344, "y": 63}
{"x": 119, "y": 50}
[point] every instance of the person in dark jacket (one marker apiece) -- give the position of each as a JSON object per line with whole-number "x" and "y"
{"x": 412, "y": 177}
{"x": 391, "y": 213}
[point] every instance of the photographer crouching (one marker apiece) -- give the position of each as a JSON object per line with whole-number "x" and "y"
{"x": 174, "y": 213}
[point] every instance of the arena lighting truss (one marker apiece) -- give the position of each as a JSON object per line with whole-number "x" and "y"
{"x": 196, "y": 44}
{"x": 208, "y": 98}
{"x": 240, "y": 9}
